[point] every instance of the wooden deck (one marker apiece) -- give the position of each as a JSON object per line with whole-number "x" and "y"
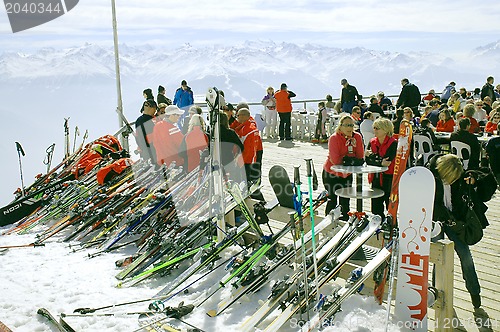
{"x": 486, "y": 254}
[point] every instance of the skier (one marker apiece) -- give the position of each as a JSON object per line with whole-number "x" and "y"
{"x": 284, "y": 107}
{"x": 167, "y": 137}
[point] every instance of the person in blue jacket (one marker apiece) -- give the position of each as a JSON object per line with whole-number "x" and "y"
{"x": 183, "y": 96}
{"x": 183, "y": 99}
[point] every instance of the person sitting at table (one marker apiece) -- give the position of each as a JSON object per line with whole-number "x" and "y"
{"x": 464, "y": 135}
{"x": 469, "y": 111}
{"x": 446, "y": 123}
{"x": 408, "y": 115}
{"x": 385, "y": 146}
{"x": 492, "y": 124}
{"x": 426, "y": 129}
{"x": 480, "y": 115}
{"x": 356, "y": 115}
{"x": 366, "y": 127}
{"x": 375, "y": 107}
{"x": 344, "y": 142}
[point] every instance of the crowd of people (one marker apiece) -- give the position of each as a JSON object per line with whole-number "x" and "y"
{"x": 175, "y": 132}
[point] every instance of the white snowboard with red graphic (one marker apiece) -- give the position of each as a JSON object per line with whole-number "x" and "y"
{"x": 416, "y": 201}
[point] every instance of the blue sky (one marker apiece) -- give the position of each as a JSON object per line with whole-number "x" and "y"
{"x": 446, "y": 27}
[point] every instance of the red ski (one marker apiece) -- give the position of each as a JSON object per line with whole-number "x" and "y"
{"x": 401, "y": 162}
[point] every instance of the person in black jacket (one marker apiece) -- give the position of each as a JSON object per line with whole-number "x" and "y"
{"x": 452, "y": 183}
{"x": 463, "y": 135}
{"x": 161, "y": 98}
{"x": 409, "y": 97}
{"x": 349, "y": 97}
{"x": 488, "y": 89}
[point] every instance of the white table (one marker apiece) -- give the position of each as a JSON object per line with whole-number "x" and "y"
{"x": 359, "y": 192}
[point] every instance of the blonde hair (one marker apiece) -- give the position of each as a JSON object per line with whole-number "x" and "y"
{"x": 196, "y": 121}
{"x": 449, "y": 168}
{"x": 385, "y": 125}
{"x": 341, "y": 122}
{"x": 469, "y": 110}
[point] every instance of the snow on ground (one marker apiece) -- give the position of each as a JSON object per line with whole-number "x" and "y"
{"x": 61, "y": 279}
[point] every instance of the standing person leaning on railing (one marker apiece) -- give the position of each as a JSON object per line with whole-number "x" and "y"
{"x": 284, "y": 108}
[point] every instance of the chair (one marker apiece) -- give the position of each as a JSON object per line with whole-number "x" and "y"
{"x": 462, "y": 151}
{"x": 423, "y": 147}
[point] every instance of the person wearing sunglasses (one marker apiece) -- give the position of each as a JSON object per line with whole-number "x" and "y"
{"x": 492, "y": 124}
{"x": 344, "y": 142}
{"x": 384, "y": 146}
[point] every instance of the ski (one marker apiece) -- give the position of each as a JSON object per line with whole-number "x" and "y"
{"x": 400, "y": 164}
{"x": 241, "y": 290}
{"x": 333, "y": 303}
{"x": 51, "y": 319}
{"x": 332, "y": 251}
{"x": 65, "y": 324}
{"x": 330, "y": 270}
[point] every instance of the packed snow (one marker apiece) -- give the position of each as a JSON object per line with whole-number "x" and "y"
{"x": 61, "y": 277}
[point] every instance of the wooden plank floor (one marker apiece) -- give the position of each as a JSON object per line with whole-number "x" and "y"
{"x": 486, "y": 254}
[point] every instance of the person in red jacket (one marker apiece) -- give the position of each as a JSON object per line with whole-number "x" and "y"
{"x": 446, "y": 123}
{"x": 344, "y": 142}
{"x": 167, "y": 137}
{"x": 492, "y": 124}
{"x": 284, "y": 109}
{"x": 385, "y": 146}
{"x": 252, "y": 152}
{"x": 195, "y": 141}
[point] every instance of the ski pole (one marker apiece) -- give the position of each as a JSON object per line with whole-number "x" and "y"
{"x": 298, "y": 194}
{"x": 20, "y": 152}
{"x": 77, "y": 133}
{"x": 392, "y": 271}
{"x": 48, "y": 158}
{"x": 311, "y": 212}
{"x": 66, "y": 137}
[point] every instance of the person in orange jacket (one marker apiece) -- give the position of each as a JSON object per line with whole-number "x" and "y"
{"x": 284, "y": 109}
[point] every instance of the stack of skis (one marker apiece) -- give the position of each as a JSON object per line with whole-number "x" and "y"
{"x": 99, "y": 199}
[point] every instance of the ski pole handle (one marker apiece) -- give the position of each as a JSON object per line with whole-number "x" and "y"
{"x": 291, "y": 214}
{"x": 296, "y": 174}
{"x": 309, "y": 167}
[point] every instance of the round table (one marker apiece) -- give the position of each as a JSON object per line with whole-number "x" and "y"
{"x": 359, "y": 192}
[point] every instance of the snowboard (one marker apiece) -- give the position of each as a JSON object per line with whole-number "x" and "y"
{"x": 416, "y": 202}
{"x": 282, "y": 186}
{"x": 400, "y": 163}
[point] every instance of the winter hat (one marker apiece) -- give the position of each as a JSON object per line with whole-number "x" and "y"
{"x": 172, "y": 109}
{"x": 283, "y": 86}
{"x": 161, "y": 88}
{"x": 343, "y": 81}
{"x": 184, "y": 83}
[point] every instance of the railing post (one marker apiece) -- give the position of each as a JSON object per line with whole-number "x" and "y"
{"x": 442, "y": 254}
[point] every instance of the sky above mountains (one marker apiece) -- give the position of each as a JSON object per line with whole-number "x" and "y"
{"x": 446, "y": 27}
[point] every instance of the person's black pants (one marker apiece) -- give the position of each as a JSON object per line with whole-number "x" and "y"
{"x": 285, "y": 127}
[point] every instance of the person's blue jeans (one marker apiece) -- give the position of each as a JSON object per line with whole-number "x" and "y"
{"x": 347, "y": 106}
{"x": 468, "y": 270}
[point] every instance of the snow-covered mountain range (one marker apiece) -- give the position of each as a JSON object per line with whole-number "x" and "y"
{"x": 40, "y": 89}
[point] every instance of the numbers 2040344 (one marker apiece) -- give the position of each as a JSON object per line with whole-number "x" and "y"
{"x": 32, "y": 8}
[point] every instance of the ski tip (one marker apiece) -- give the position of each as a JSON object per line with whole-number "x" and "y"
{"x": 41, "y": 311}
{"x": 212, "y": 313}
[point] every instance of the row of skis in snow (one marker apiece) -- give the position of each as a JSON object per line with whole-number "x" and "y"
{"x": 99, "y": 199}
